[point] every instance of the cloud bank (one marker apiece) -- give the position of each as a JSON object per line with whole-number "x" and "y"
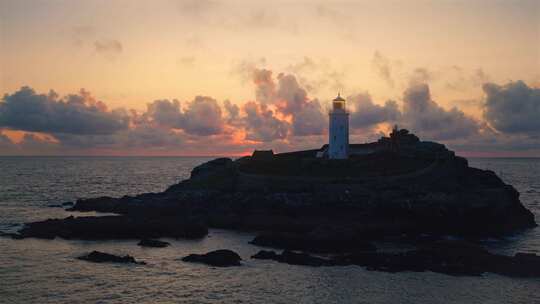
{"x": 282, "y": 116}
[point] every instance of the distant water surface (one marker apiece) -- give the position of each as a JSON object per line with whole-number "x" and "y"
{"x": 45, "y": 271}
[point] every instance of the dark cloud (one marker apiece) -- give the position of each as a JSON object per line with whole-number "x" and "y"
{"x": 202, "y": 116}
{"x": 425, "y": 117}
{"x": 165, "y": 113}
{"x": 262, "y": 125}
{"x": 310, "y": 120}
{"x": 232, "y": 112}
{"x": 513, "y": 108}
{"x": 74, "y": 114}
{"x": 283, "y": 117}
{"x": 265, "y": 88}
{"x": 366, "y": 114}
{"x": 290, "y": 97}
{"x": 147, "y": 136}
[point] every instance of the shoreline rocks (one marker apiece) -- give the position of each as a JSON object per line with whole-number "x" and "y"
{"x": 218, "y": 258}
{"x": 293, "y": 258}
{"x": 114, "y": 227}
{"x": 457, "y": 258}
{"x": 103, "y": 257}
{"x": 153, "y": 243}
{"x": 318, "y": 241}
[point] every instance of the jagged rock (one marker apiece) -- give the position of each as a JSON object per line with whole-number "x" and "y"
{"x": 114, "y": 227}
{"x": 102, "y": 257}
{"x": 458, "y": 258}
{"x": 153, "y": 243}
{"x": 220, "y": 258}
{"x": 449, "y": 257}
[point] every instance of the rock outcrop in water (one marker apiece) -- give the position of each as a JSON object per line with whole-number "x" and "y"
{"x": 448, "y": 257}
{"x": 391, "y": 189}
{"x": 115, "y": 227}
{"x": 103, "y": 257}
{"x": 420, "y": 187}
{"x": 396, "y": 188}
{"x": 153, "y": 243}
{"x": 219, "y": 258}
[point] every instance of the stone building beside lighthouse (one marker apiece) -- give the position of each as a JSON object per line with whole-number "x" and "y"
{"x": 338, "y": 135}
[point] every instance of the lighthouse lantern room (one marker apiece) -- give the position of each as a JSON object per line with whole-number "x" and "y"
{"x": 338, "y": 141}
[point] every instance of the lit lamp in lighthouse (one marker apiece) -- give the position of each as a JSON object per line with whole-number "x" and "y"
{"x": 338, "y": 141}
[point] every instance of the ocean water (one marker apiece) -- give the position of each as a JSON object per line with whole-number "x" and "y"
{"x": 46, "y": 271}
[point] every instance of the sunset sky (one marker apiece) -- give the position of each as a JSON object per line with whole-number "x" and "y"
{"x": 225, "y": 77}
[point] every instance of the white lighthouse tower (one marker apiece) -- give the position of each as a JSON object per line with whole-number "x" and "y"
{"x": 338, "y": 141}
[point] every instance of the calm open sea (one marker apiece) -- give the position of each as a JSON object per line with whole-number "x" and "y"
{"x": 46, "y": 271}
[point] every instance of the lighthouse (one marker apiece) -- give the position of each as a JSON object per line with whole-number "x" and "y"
{"x": 338, "y": 139}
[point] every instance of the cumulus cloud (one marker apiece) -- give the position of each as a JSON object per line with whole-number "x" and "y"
{"x": 289, "y": 99}
{"x": 265, "y": 88}
{"x": 310, "y": 120}
{"x": 282, "y": 117}
{"x": 367, "y": 114}
{"x": 75, "y": 114}
{"x": 232, "y": 112}
{"x": 422, "y": 115}
{"x": 262, "y": 125}
{"x": 290, "y": 96}
{"x": 513, "y": 108}
{"x": 201, "y": 117}
{"x": 165, "y": 113}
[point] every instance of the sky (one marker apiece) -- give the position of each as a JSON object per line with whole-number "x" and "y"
{"x": 210, "y": 77}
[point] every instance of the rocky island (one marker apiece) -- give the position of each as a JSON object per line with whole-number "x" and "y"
{"x": 398, "y": 188}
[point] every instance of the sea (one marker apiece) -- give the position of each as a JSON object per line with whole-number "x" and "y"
{"x": 47, "y": 271}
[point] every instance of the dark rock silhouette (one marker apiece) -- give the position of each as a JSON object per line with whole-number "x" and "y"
{"x": 399, "y": 188}
{"x": 265, "y": 255}
{"x": 324, "y": 241}
{"x": 102, "y": 257}
{"x": 448, "y": 257}
{"x": 115, "y": 227}
{"x": 418, "y": 187}
{"x": 293, "y": 258}
{"x": 153, "y": 243}
{"x": 220, "y": 258}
